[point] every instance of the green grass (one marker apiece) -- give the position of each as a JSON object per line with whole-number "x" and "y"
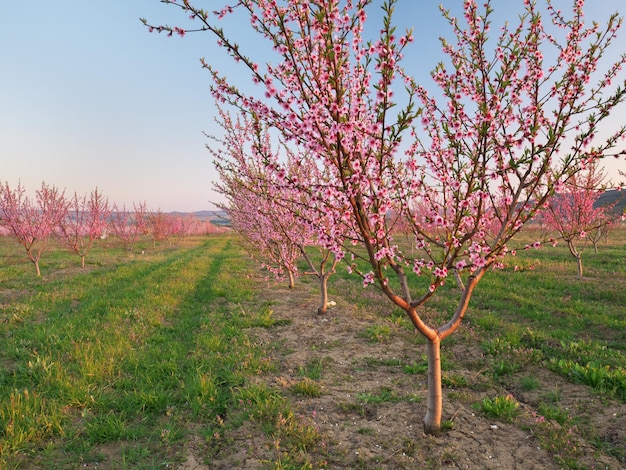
{"x": 120, "y": 364}
{"x": 307, "y": 387}
{"x": 376, "y": 333}
{"x": 130, "y": 352}
{"x": 504, "y": 407}
{"x": 314, "y": 368}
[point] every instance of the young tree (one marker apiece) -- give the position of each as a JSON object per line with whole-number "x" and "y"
{"x": 503, "y": 129}
{"x": 85, "y": 221}
{"x": 573, "y": 212}
{"x": 270, "y": 195}
{"x": 161, "y": 226}
{"x": 602, "y": 232}
{"x": 269, "y": 228}
{"x": 129, "y": 226}
{"x": 32, "y": 223}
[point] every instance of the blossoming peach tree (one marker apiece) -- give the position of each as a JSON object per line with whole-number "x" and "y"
{"x": 32, "y": 223}
{"x": 464, "y": 162}
{"x": 85, "y": 221}
{"x": 573, "y": 213}
{"x": 266, "y": 207}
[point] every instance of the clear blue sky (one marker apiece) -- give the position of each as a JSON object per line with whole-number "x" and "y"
{"x": 89, "y": 98}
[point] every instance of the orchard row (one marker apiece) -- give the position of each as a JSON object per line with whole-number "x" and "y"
{"x": 336, "y": 134}
{"x": 78, "y": 221}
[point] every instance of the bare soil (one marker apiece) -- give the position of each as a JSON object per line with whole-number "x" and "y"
{"x": 388, "y": 435}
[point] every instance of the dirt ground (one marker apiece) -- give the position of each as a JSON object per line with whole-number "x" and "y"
{"x": 389, "y": 435}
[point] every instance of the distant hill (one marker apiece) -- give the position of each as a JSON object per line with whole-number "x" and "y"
{"x": 216, "y": 217}
{"x": 614, "y": 196}
{"x": 210, "y": 215}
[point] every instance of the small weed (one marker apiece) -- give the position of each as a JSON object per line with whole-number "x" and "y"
{"x": 264, "y": 319}
{"x": 308, "y": 388}
{"x": 447, "y": 425}
{"x": 409, "y": 447}
{"x": 383, "y": 395}
{"x": 529, "y": 383}
{"x": 415, "y": 368}
{"x": 294, "y": 433}
{"x": 453, "y": 380}
{"x": 489, "y": 322}
{"x": 611, "y": 445}
{"x": 376, "y": 333}
{"x": 504, "y": 367}
{"x": 503, "y": 407}
{"x": 554, "y": 413}
{"x": 602, "y": 377}
{"x": 313, "y": 369}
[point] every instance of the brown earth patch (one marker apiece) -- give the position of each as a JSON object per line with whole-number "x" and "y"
{"x": 359, "y": 432}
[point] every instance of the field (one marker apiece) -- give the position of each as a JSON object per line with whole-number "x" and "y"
{"x": 187, "y": 357}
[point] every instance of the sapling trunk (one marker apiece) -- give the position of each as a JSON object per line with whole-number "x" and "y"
{"x": 323, "y": 308}
{"x": 434, "y": 336}
{"x": 432, "y": 420}
{"x": 322, "y": 275}
{"x": 578, "y": 255}
{"x": 37, "y": 268}
{"x": 34, "y": 258}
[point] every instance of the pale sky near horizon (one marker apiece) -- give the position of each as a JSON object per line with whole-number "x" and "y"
{"x": 89, "y": 98}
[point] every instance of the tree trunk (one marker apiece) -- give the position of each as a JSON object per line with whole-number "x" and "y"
{"x": 82, "y": 261}
{"x": 578, "y": 255}
{"x": 324, "y": 294}
{"x": 34, "y": 258}
{"x": 292, "y": 282}
{"x": 432, "y": 420}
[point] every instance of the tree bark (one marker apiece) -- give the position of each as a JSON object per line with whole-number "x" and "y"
{"x": 292, "y": 282}
{"x": 323, "y": 308}
{"x": 432, "y": 420}
{"x": 37, "y": 268}
{"x": 578, "y": 255}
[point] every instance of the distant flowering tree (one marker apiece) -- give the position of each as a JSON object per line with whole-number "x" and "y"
{"x": 502, "y": 129}
{"x": 32, "y": 223}
{"x": 258, "y": 211}
{"x": 275, "y": 251}
{"x": 573, "y": 212}
{"x": 276, "y": 219}
{"x": 161, "y": 226}
{"x": 185, "y": 225}
{"x": 129, "y": 226}
{"x": 86, "y": 220}
{"x": 602, "y": 232}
